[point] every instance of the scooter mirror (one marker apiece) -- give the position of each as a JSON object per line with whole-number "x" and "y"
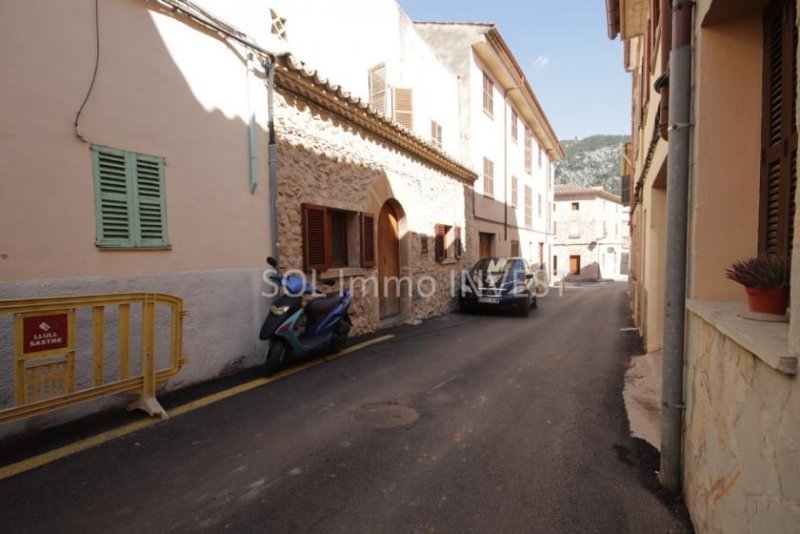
{"x": 272, "y": 262}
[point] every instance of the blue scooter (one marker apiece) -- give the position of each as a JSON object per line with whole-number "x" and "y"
{"x": 295, "y": 330}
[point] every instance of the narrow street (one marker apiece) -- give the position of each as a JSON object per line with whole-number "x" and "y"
{"x": 520, "y": 428}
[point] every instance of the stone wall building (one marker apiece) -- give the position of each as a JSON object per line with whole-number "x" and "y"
{"x": 348, "y": 162}
{"x": 591, "y": 234}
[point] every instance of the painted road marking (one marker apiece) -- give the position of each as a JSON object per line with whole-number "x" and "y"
{"x": 104, "y": 437}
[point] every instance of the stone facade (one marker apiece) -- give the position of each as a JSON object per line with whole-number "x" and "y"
{"x": 741, "y": 453}
{"x": 327, "y": 161}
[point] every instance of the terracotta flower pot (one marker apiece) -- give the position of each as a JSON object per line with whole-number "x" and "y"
{"x": 772, "y": 301}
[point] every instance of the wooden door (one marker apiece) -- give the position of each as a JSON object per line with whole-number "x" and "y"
{"x": 388, "y": 262}
{"x": 574, "y": 265}
{"x": 485, "y": 245}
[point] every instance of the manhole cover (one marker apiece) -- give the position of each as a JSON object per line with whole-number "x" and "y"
{"x": 385, "y": 415}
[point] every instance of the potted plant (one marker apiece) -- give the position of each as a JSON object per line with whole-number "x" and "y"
{"x": 766, "y": 281}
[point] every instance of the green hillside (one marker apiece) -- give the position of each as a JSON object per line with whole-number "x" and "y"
{"x": 592, "y": 161}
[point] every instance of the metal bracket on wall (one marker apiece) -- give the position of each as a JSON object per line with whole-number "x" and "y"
{"x": 678, "y": 4}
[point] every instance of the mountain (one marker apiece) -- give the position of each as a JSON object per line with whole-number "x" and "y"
{"x": 592, "y": 161}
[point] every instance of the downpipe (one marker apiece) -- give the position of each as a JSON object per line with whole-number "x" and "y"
{"x": 680, "y": 98}
{"x": 269, "y": 67}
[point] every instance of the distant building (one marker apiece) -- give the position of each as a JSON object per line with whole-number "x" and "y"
{"x": 591, "y": 241}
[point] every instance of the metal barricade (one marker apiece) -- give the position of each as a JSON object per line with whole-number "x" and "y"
{"x": 47, "y": 358}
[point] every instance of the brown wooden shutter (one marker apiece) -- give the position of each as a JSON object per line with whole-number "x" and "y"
{"x": 403, "y": 103}
{"x": 457, "y": 243}
{"x": 315, "y": 242}
{"x": 367, "y": 240}
{"x": 779, "y": 130}
{"x": 441, "y": 251}
{"x": 377, "y": 88}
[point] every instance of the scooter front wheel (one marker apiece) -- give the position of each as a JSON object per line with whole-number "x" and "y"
{"x": 277, "y": 356}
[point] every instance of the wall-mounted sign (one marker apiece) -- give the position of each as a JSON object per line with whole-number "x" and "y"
{"x": 44, "y": 333}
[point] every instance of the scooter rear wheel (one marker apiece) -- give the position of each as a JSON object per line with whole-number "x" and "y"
{"x": 277, "y": 356}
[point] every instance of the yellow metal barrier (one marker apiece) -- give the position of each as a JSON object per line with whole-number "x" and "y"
{"x": 45, "y": 348}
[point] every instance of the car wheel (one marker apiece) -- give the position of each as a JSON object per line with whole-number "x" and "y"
{"x": 535, "y": 303}
{"x": 463, "y": 307}
{"x": 524, "y": 308}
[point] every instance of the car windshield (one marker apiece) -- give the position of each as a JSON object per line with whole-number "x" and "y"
{"x": 494, "y": 265}
{"x": 493, "y": 271}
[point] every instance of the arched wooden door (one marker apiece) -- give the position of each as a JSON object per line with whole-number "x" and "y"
{"x": 388, "y": 261}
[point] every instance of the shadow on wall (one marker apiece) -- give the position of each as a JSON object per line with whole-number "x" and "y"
{"x": 589, "y": 272}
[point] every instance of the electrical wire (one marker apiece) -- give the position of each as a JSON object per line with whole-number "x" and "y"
{"x": 94, "y": 74}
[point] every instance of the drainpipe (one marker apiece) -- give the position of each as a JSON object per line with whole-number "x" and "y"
{"x": 505, "y": 164}
{"x": 680, "y": 98}
{"x": 269, "y": 67}
{"x": 252, "y": 146}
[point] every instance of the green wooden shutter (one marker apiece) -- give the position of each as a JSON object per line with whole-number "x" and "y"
{"x": 113, "y": 202}
{"x": 129, "y": 199}
{"x": 151, "y": 213}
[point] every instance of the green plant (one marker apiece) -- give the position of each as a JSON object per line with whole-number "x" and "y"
{"x": 768, "y": 272}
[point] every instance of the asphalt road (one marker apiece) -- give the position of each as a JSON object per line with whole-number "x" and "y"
{"x": 462, "y": 424}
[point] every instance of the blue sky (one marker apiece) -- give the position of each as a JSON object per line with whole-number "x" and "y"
{"x": 574, "y": 69}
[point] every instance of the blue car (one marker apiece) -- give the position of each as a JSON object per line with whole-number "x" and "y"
{"x": 499, "y": 283}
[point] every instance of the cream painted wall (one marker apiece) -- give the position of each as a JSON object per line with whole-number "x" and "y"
{"x": 344, "y": 39}
{"x": 726, "y": 167}
{"x": 163, "y": 88}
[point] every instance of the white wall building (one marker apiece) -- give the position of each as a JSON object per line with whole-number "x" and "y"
{"x": 374, "y": 52}
{"x": 591, "y": 234}
{"x": 506, "y": 139}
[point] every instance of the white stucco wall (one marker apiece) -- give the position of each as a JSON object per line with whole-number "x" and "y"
{"x": 344, "y": 39}
{"x": 490, "y": 137}
{"x": 595, "y": 232}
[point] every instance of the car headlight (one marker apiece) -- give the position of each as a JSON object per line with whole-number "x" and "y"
{"x": 279, "y": 310}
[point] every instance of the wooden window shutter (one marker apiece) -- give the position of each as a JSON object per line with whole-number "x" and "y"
{"x": 377, "y": 88}
{"x": 367, "y": 240}
{"x": 488, "y": 177}
{"x": 113, "y": 198}
{"x": 457, "y": 247}
{"x": 130, "y": 199}
{"x": 528, "y": 151}
{"x": 403, "y": 102}
{"x": 528, "y": 206}
{"x": 488, "y": 95}
{"x": 440, "y": 250}
{"x": 315, "y": 242}
{"x": 150, "y": 200}
{"x": 514, "y": 190}
{"x": 514, "y": 125}
{"x": 779, "y": 131}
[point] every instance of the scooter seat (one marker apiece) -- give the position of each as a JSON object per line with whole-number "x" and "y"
{"x": 318, "y": 309}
